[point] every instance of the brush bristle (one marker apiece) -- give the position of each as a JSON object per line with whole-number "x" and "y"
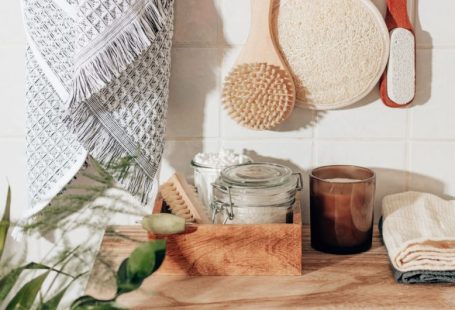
{"x": 175, "y": 202}
{"x": 258, "y": 95}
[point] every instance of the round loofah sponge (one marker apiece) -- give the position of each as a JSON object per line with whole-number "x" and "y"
{"x": 258, "y": 95}
{"x": 335, "y": 49}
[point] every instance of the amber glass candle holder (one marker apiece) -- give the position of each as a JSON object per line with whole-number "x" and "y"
{"x": 341, "y": 208}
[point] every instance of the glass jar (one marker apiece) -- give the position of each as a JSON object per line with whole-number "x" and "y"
{"x": 255, "y": 193}
{"x": 206, "y": 174}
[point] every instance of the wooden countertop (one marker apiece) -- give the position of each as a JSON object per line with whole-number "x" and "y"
{"x": 362, "y": 281}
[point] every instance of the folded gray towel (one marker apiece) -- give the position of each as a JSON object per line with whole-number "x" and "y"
{"x": 424, "y": 276}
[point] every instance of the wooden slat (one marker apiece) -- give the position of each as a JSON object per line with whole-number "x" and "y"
{"x": 215, "y": 249}
{"x": 362, "y": 281}
{"x": 235, "y": 250}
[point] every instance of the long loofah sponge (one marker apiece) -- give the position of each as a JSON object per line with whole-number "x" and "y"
{"x": 398, "y": 82}
{"x": 401, "y": 69}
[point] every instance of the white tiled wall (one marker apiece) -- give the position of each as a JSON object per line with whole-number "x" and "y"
{"x": 410, "y": 149}
{"x": 12, "y": 105}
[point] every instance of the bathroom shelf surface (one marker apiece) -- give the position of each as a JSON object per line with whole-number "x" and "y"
{"x": 361, "y": 281}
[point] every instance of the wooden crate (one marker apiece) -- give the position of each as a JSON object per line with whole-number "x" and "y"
{"x": 256, "y": 249}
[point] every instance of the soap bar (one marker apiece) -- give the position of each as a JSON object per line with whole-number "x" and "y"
{"x": 401, "y": 70}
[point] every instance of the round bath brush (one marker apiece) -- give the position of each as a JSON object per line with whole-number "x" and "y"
{"x": 336, "y": 50}
{"x": 259, "y": 92}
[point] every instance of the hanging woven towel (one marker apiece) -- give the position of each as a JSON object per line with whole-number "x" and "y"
{"x": 97, "y": 83}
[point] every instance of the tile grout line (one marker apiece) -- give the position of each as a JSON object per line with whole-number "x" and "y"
{"x": 307, "y": 139}
{"x": 14, "y": 137}
{"x": 219, "y": 87}
{"x": 220, "y": 61}
{"x": 13, "y": 45}
{"x": 200, "y": 45}
{"x": 314, "y": 141}
{"x": 435, "y": 47}
{"x": 413, "y": 11}
{"x": 409, "y": 126}
{"x": 409, "y": 116}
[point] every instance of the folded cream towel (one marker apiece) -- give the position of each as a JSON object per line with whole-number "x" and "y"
{"x": 419, "y": 231}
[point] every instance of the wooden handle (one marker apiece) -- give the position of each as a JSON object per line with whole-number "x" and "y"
{"x": 260, "y": 12}
{"x": 397, "y": 15}
{"x": 260, "y": 29}
{"x": 260, "y": 46}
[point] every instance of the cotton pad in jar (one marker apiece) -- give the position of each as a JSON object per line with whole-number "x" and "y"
{"x": 208, "y": 166}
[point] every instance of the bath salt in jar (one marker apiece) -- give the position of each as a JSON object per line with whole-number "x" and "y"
{"x": 255, "y": 193}
{"x": 207, "y": 168}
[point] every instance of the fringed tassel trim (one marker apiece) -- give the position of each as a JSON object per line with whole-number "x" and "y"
{"x": 106, "y": 149}
{"x": 95, "y": 71}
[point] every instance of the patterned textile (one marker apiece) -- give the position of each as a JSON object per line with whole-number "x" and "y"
{"x": 97, "y": 83}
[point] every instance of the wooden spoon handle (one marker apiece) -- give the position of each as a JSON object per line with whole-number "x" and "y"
{"x": 260, "y": 43}
{"x": 260, "y": 18}
{"x": 397, "y": 15}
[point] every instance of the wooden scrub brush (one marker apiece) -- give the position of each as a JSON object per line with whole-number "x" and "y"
{"x": 259, "y": 93}
{"x": 183, "y": 200}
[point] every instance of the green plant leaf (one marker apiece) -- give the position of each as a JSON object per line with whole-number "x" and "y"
{"x": 52, "y": 303}
{"x": 9, "y": 280}
{"x": 124, "y": 284}
{"x": 144, "y": 261}
{"x": 27, "y": 294}
{"x": 90, "y": 303}
{"x": 5, "y": 222}
{"x": 146, "y": 258}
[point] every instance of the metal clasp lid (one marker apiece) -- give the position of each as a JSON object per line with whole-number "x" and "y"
{"x": 220, "y": 206}
{"x": 299, "y": 185}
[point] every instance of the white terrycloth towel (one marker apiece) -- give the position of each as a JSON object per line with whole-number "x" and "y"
{"x": 419, "y": 231}
{"x": 97, "y": 83}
